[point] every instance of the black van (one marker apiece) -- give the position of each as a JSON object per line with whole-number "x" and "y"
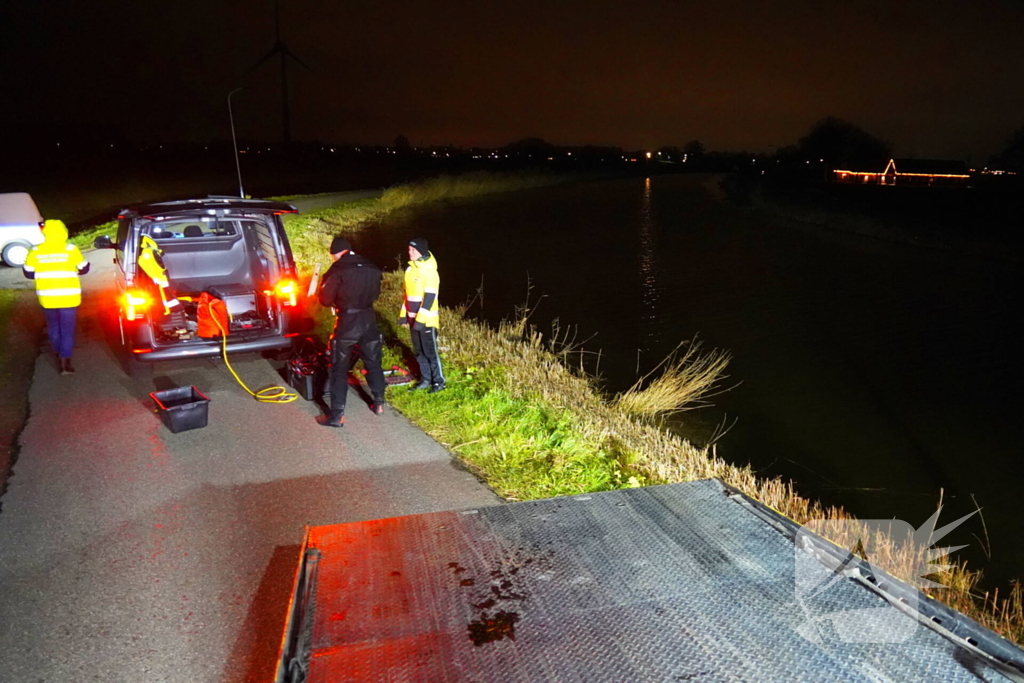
{"x": 234, "y": 249}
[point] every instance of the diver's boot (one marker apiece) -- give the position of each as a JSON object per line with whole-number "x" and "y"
{"x": 335, "y": 419}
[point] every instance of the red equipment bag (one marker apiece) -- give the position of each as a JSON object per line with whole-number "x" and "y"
{"x": 211, "y": 311}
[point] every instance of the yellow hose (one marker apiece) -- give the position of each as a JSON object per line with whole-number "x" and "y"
{"x": 275, "y": 394}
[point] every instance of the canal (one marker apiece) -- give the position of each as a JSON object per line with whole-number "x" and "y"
{"x": 874, "y": 375}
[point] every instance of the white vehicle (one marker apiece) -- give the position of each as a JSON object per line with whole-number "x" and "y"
{"x": 20, "y": 224}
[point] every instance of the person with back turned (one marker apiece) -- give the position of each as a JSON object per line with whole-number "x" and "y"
{"x": 55, "y": 266}
{"x": 349, "y": 287}
{"x": 420, "y": 313}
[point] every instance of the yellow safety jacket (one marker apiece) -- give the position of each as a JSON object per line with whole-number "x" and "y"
{"x": 55, "y": 266}
{"x": 421, "y": 285}
{"x": 152, "y": 263}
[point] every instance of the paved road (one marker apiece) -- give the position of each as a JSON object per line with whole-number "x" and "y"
{"x": 128, "y": 553}
{"x": 12, "y": 278}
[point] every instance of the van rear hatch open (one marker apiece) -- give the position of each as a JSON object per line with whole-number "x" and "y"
{"x": 239, "y": 257}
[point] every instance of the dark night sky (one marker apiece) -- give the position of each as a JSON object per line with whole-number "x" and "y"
{"x": 936, "y": 78}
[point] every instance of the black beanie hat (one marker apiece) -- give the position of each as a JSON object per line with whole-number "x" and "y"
{"x": 340, "y": 244}
{"x": 420, "y": 245}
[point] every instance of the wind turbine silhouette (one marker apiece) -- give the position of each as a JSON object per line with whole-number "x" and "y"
{"x": 280, "y": 48}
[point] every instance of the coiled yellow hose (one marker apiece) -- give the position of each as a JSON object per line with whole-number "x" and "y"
{"x": 275, "y": 394}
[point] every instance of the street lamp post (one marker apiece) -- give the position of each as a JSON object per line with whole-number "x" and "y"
{"x": 234, "y": 144}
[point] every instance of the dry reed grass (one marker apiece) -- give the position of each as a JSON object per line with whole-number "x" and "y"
{"x": 686, "y": 379}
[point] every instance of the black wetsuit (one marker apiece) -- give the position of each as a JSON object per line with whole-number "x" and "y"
{"x": 350, "y": 286}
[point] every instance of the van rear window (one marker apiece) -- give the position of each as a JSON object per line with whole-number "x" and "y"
{"x": 188, "y": 229}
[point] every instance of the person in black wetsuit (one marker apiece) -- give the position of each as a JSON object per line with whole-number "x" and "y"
{"x": 349, "y": 287}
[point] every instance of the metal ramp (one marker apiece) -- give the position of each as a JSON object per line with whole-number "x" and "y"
{"x": 683, "y": 582}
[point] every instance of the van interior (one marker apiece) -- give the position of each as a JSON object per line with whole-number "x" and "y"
{"x": 233, "y": 259}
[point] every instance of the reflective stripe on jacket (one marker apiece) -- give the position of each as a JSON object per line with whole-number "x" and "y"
{"x": 421, "y": 285}
{"x": 55, "y": 266}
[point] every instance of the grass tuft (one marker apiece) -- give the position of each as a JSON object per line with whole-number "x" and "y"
{"x": 687, "y": 378}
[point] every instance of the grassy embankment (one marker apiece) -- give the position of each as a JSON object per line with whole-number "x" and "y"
{"x": 532, "y": 427}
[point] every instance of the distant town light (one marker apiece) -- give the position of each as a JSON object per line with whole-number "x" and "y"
{"x": 648, "y": 155}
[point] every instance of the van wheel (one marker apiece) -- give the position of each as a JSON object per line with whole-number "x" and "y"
{"x": 15, "y": 253}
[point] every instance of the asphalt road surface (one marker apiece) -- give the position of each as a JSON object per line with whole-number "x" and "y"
{"x": 128, "y": 553}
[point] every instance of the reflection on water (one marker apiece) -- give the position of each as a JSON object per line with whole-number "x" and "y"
{"x": 647, "y": 269}
{"x": 873, "y": 375}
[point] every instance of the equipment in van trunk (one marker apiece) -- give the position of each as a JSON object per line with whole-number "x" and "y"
{"x": 243, "y": 313}
{"x": 211, "y": 316}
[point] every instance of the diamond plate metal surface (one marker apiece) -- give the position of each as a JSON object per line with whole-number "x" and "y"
{"x": 667, "y": 583}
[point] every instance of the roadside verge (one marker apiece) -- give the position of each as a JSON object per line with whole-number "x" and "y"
{"x": 20, "y": 327}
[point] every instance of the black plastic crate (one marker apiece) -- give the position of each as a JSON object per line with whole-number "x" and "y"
{"x": 182, "y": 408}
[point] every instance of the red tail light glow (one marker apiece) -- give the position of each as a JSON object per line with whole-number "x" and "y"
{"x": 136, "y": 303}
{"x": 286, "y": 292}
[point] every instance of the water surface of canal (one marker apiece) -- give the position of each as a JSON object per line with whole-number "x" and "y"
{"x": 872, "y": 374}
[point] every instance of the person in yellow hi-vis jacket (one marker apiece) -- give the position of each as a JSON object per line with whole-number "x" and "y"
{"x": 152, "y": 263}
{"x": 419, "y": 312}
{"x": 55, "y": 266}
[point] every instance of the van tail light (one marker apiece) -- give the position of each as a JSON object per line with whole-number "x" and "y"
{"x": 285, "y": 290}
{"x": 136, "y": 303}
